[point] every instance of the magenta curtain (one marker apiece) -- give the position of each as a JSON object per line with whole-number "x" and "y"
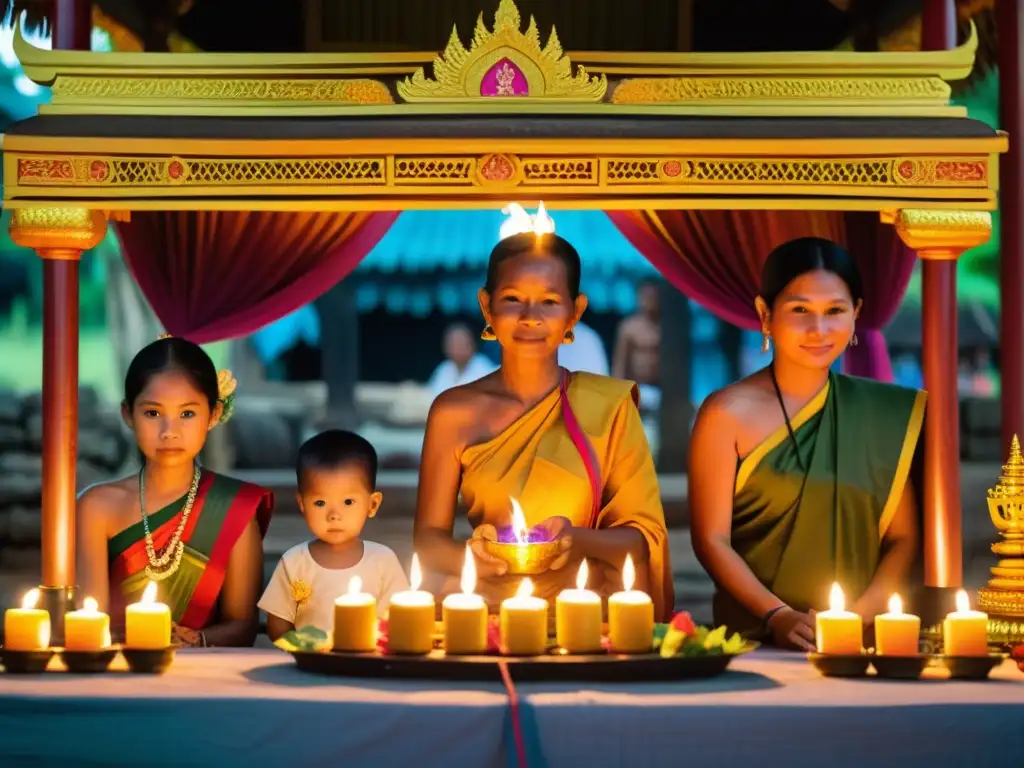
{"x": 715, "y": 258}
{"x": 886, "y": 265}
{"x": 218, "y": 275}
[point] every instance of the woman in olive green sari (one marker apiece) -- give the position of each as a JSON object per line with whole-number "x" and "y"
{"x": 798, "y": 476}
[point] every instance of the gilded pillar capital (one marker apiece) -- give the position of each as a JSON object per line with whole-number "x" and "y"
{"x": 940, "y": 233}
{"x": 57, "y": 232}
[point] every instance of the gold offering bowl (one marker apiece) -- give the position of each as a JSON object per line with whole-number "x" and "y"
{"x": 524, "y": 559}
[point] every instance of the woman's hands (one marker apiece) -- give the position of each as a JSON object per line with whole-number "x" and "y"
{"x": 494, "y": 582}
{"x": 561, "y": 528}
{"x": 487, "y": 565}
{"x": 792, "y": 629}
{"x": 186, "y": 636}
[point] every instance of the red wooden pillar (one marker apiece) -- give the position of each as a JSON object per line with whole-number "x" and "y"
{"x": 939, "y": 237}
{"x": 60, "y": 415}
{"x": 1011, "y": 223}
{"x": 59, "y": 237}
{"x": 943, "y": 534}
{"x": 942, "y": 514}
{"x": 72, "y": 25}
{"x": 938, "y": 25}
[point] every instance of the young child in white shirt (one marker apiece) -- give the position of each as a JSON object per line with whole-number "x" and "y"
{"x": 337, "y": 477}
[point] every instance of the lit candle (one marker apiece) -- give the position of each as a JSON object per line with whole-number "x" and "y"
{"x": 523, "y": 623}
{"x": 630, "y": 616}
{"x": 965, "y": 632}
{"x": 411, "y": 616}
{"x": 897, "y": 633}
{"x": 147, "y": 622}
{"x": 839, "y": 632}
{"x": 87, "y": 629}
{"x": 578, "y": 616}
{"x": 465, "y": 615}
{"x": 27, "y": 628}
{"x": 355, "y": 619}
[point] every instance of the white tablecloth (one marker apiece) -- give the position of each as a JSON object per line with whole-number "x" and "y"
{"x": 253, "y": 708}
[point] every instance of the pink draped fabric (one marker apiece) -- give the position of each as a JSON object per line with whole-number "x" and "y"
{"x": 886, "y": 266}
{"x": 218, "y": 275}
{"x": 715, "y": 258}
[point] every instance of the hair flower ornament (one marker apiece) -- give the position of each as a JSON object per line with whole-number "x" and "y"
{"x": 226, "y": 386}
{"x": 520, "y": 221}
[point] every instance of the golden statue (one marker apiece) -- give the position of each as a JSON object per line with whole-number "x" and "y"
{"x": 1003, "y": 598}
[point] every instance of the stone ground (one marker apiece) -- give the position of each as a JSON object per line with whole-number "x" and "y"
{"x": 693, "y": 588}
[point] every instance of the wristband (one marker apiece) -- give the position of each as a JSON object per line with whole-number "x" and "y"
{"x": 768, "y": 616}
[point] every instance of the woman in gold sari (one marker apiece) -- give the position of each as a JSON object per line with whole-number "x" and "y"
{"x": 569, "y": 447}
{"x": 798, "y": 475}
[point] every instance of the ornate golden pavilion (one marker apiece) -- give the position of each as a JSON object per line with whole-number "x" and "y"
{"x": 510, "y": 117}
{"x": 133, "y": 131}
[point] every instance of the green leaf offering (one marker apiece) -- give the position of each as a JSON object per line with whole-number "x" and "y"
{"x": 702, "y": 641}
{"x": 659, "y": 635}
{"x": 307, "y": 639}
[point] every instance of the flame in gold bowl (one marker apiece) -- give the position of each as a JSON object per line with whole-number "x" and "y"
{"x": 524, "y": 559}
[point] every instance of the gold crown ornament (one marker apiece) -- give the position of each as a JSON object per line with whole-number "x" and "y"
{"x": 503, "y": 68}
{"x": 1003, "y": 597}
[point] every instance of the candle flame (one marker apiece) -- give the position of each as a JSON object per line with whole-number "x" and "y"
{"x": 963, "y": 602}
{"x": 628, "y": 574}
{"x": 30, "y": 600}
{"x": 149, "y": 593}
{"x": 519, "y": 528}
{"x": 89, "y": 605}
{"x": 837, "y": 601}
{"x": 355, "y": 585}
{"x": 582, "y": 575}
{"x": 525, "y": 588}
{"x": 519, "y": 221}
{"x": 543, "y": 224}
{"x": 469, "y": 573}
{"x": 415, "y": 574}
{"x": 896, "y": 605}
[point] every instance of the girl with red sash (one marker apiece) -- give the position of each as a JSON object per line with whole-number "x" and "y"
{"x": 197, "y": 534}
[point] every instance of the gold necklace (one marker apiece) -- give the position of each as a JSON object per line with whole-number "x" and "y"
{"x": 165, "y": 565}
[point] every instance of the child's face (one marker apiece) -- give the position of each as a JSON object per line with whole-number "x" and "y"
{"x": 337, "y": 502}
{"x": 171, "y": 419}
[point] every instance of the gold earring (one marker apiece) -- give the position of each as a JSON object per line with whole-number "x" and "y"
{"x": 853, "y": 339}
{"x": 569, "y": 337}
{"x": 487, "y": 334}
{"x": 766, "y": 338}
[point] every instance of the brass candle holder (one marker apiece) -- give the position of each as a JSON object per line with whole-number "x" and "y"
{"x": 527, "y": 551}
{"x": 1003, "y": 598}
{"x": 524, "y": 559}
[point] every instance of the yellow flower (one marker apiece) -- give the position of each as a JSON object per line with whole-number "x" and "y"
{"x": 301, "y": 591}
{"x": 225, "y": 383}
